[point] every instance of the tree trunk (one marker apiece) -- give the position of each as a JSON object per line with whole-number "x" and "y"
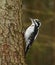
{"x": 11, "y": 38}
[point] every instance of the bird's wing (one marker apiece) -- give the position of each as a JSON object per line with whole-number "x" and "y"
{"x": 31, "y": 38}
{"x": 36, "y": 35}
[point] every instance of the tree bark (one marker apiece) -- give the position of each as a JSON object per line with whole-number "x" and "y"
{"x": 11, "y": 38}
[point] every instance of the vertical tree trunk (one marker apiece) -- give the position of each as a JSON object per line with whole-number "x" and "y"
{"x": 11, "y": 38}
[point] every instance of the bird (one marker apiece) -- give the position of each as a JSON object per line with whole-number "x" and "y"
{"x": 31, "y": 33}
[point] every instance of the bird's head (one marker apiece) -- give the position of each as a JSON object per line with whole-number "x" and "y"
{"x": 36, "y": 22}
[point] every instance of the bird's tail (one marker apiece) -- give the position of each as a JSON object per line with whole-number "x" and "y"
{"x": 26, "y": 50}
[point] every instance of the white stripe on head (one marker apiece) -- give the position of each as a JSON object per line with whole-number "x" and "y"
{"x": 37, "y": 21}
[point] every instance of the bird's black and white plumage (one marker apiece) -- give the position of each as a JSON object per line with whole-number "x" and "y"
{"x": 31, "y": 33}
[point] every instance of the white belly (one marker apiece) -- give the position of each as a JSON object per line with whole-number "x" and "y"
{"x": 28, "y": 32}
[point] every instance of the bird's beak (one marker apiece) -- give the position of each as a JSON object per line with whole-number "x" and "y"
{"x": 31, "y": 19}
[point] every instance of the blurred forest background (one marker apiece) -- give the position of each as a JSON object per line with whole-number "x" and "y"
{"x": 42, "y": 51}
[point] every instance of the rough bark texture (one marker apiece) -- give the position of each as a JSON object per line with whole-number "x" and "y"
{"x": 11, "y": 38}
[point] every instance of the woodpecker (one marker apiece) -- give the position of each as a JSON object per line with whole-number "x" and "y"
{"x": 31, "y": 33}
